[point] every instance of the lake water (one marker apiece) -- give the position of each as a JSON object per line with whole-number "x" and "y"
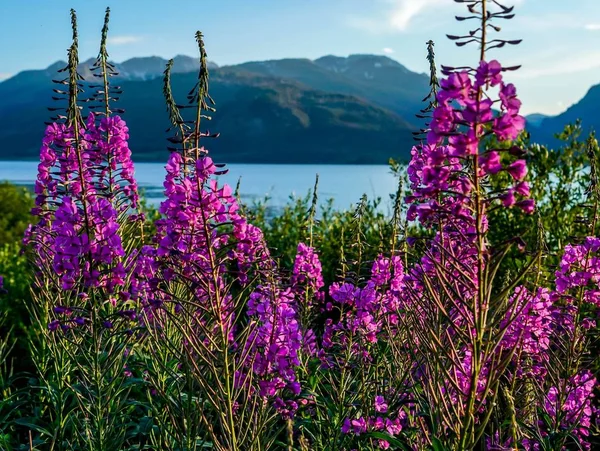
{"x": 345, "y": 184}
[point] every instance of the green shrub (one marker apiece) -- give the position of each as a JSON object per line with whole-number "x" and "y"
{"x": 334, "y": 231}
{"x": 15, "y": 204}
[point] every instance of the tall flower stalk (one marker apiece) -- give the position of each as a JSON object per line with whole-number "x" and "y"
{"x": 220, "y": 310}
{"x": 85, "y": 193}
{"x": 455, "y": 305}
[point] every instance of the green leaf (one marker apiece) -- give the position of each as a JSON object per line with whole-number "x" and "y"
{"x": 437, "y": 445}
{"x": 28, "y": 423}
{"x": 145, "y": 425}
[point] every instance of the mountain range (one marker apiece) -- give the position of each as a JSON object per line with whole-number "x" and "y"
{"x": 358, "y": 109}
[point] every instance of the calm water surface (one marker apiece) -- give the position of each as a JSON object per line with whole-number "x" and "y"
{"x": 344, "y": 183}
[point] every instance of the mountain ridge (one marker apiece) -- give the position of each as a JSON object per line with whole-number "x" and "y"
{"x": 333, "y": 109}
{"x": 275, "y": 111}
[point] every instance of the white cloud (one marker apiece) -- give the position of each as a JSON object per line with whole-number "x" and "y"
{"x": 400, "y": 15}
{"x": 552, "y": 66}
{"x": 388, "y": 51}
{"x": 123, "y": 40}
{"x": 5, "y": 75}
{"x": 592, "y": 26}
{"x": 406, "y": 10}
{"x": 396, "y": 17}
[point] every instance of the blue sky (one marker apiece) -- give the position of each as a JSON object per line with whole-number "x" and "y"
{"x": 560, "y": 53}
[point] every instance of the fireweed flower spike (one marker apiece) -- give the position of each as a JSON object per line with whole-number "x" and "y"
{"x": 79, "y": 208}
{"x": 447, "y": 174}
{"x": 85, "y": 198}
{"x": 306, "y": 283}
{"x": 307, "y": 270}
{"x": 238, "y": 334}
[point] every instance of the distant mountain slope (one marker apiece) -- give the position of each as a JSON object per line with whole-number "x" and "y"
{"x": 379, "y": 79}
{"x": 535, "y": 119}
{"x": 28, "y": 86}
{"x": 587, "y": 109}
{"x": 261, "y": 118}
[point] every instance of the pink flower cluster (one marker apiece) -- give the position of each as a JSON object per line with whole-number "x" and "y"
{"x": 274, "y": 343}
{"x": 447, "y": 175}
{"x": 78, "y": 205}
{"x": 382, "y": 421}
{"x": 307, "y": 272}
{"x": 580, "y": 268}
{"x": 530, "y": 327}
{"x": 365, "y": 312}
{"x": 571, "y": 405}
{"x": 438, "y": 173}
